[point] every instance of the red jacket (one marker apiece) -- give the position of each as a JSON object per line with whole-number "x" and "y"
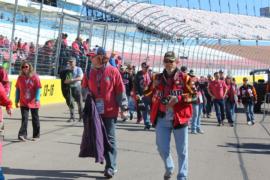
{"x": 182, "y": 110}
{"x": 106, "y": 84}
{"x": 4, "y": 101}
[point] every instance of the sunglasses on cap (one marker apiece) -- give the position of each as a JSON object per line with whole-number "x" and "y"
{"x": 168, "y": 61}
{"x": 25, "y": 67}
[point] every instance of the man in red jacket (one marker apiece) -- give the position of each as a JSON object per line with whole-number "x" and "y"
{"x": 106, "y": 85}
{"x": 171, "y": 112}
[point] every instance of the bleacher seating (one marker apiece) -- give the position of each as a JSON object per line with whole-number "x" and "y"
{"x": 210, "y": 24}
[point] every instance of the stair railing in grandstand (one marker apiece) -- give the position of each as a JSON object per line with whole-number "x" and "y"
{"x": 134, "y": 35}
{"x": 38, "y": 34}
{"x": 142, "y": 39}
{"x": 12, "y": 34}
{"x": 58, "y": 47}
{"x": 123, "y": 14}
{"x": 209, "y": 47}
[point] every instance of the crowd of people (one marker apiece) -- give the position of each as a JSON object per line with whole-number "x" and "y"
{"x": 172, "y": 101}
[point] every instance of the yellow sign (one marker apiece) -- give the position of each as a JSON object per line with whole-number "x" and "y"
{"x": 50, "y": 92}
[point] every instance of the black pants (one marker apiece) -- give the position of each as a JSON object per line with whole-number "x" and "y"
{"x": 73, "y": 94}
{"x": 35, "y": 122}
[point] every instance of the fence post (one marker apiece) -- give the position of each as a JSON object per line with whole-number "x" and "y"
{"x": 38, "y": 35}
{"x": 12, "y": 35}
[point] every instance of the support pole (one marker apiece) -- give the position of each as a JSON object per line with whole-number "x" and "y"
{"x": 38, "y": 35}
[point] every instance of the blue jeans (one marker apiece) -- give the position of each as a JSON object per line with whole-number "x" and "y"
{"x": 110, "y": 155}
{"x": 131, "y": 104}
{"x": 196, "y": 117}
{"x": 249, "y": 108}
{"x": 220, "y": 109}
{"x": 1, "y": 174}
{"x": 164, "y": 128}
{"x": 230, "y": 111}
{"x": 146, "y": 112}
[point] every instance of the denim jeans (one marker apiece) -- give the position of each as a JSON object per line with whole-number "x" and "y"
{"x": 110, "y": 155}
{"x": 146, "y": 112}
{"x": 249, "y": 108}
{"x": 220, "y": 109}
{"x": 35, "y": 122}
{"x": 164, "y": 128}
{"x": 230, "y": 111}
{"x": 131, "y": 104}
{"x": 1, "y": 174}
{"x": 209, "y": 105}
{"x": 196, "y": 117}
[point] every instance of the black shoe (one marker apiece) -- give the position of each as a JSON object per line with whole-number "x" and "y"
{"x": 131, "y": 116}
{"x": 71, "y": 120}
{"x": 231, "y": 124}
{"x": 22, "y": 138}
{"x": 108, "y": 173}
{"x": 147, "y": 127}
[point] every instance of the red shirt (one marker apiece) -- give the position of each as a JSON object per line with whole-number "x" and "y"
{"x": 28, "y": 87}
{"x": 218, "y": 89}
{"x": 107, "y": 84}
{"x": 4, "y": 79}
{"x": 76, "y": 48}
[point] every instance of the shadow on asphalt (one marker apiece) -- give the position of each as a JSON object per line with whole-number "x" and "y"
{"x": 249, "y": 148}
{"x": 51, "y": 174}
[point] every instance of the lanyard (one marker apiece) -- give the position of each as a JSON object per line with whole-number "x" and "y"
{"x": 99, "y": 77}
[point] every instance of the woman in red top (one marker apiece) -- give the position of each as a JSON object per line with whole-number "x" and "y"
{"x": 28, "y": 89}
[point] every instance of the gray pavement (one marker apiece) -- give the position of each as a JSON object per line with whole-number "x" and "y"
{"x": 222, "y": 153}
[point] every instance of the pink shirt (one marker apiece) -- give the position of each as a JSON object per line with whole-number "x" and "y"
{"x": 76, "y": 48}
{"x": 28, "y": 87}
{"x": 218, "y": 89}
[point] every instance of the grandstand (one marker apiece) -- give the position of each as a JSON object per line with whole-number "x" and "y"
{"x": 205, "y": 41}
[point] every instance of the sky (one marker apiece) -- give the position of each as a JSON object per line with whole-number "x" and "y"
{"x": 224, "y": 5}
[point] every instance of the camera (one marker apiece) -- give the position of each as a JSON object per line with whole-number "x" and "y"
{"x": 165, "y": 100}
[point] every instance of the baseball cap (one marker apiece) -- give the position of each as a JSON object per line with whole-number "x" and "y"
{"x": 221, "y": 71}
{"x": 170, "y": 55}
{"x": 191, "y": 72}
{"x": 98, "y": 51}
{"x": 145, "y": 65}
{"x": 245, "y": 79}
{"x": 72, "y": 59}
{"x": 228, "y": 77}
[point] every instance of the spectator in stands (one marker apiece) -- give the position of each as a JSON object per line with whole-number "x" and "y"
{"x": 248, "y": 97}
{"x": 64, "y": 53}
{"x": 221, "y": 75}
{"x": 143, "y": 89}
{"x": 218, "y": 90}
{"x": 112, "y": 59}
{"x": 231, "y": 100}
{"x": 28, "y": 88}
{"x": 74, "y": 81}
{"x": 118, "y": 61}
{"x": 86, "y": 46}
{"x": 77, "y": 50}
{"x": 197, "y": 105}
{"x": 1, "y": 41}
{"x": 106, "y": 85}
{"x": 171, "y": 113}
{"x": 64, "y": 42}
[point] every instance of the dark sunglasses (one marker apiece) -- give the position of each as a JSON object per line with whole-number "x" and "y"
{"x": 168, "y": 61}
{"x": 25, "y": 67}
